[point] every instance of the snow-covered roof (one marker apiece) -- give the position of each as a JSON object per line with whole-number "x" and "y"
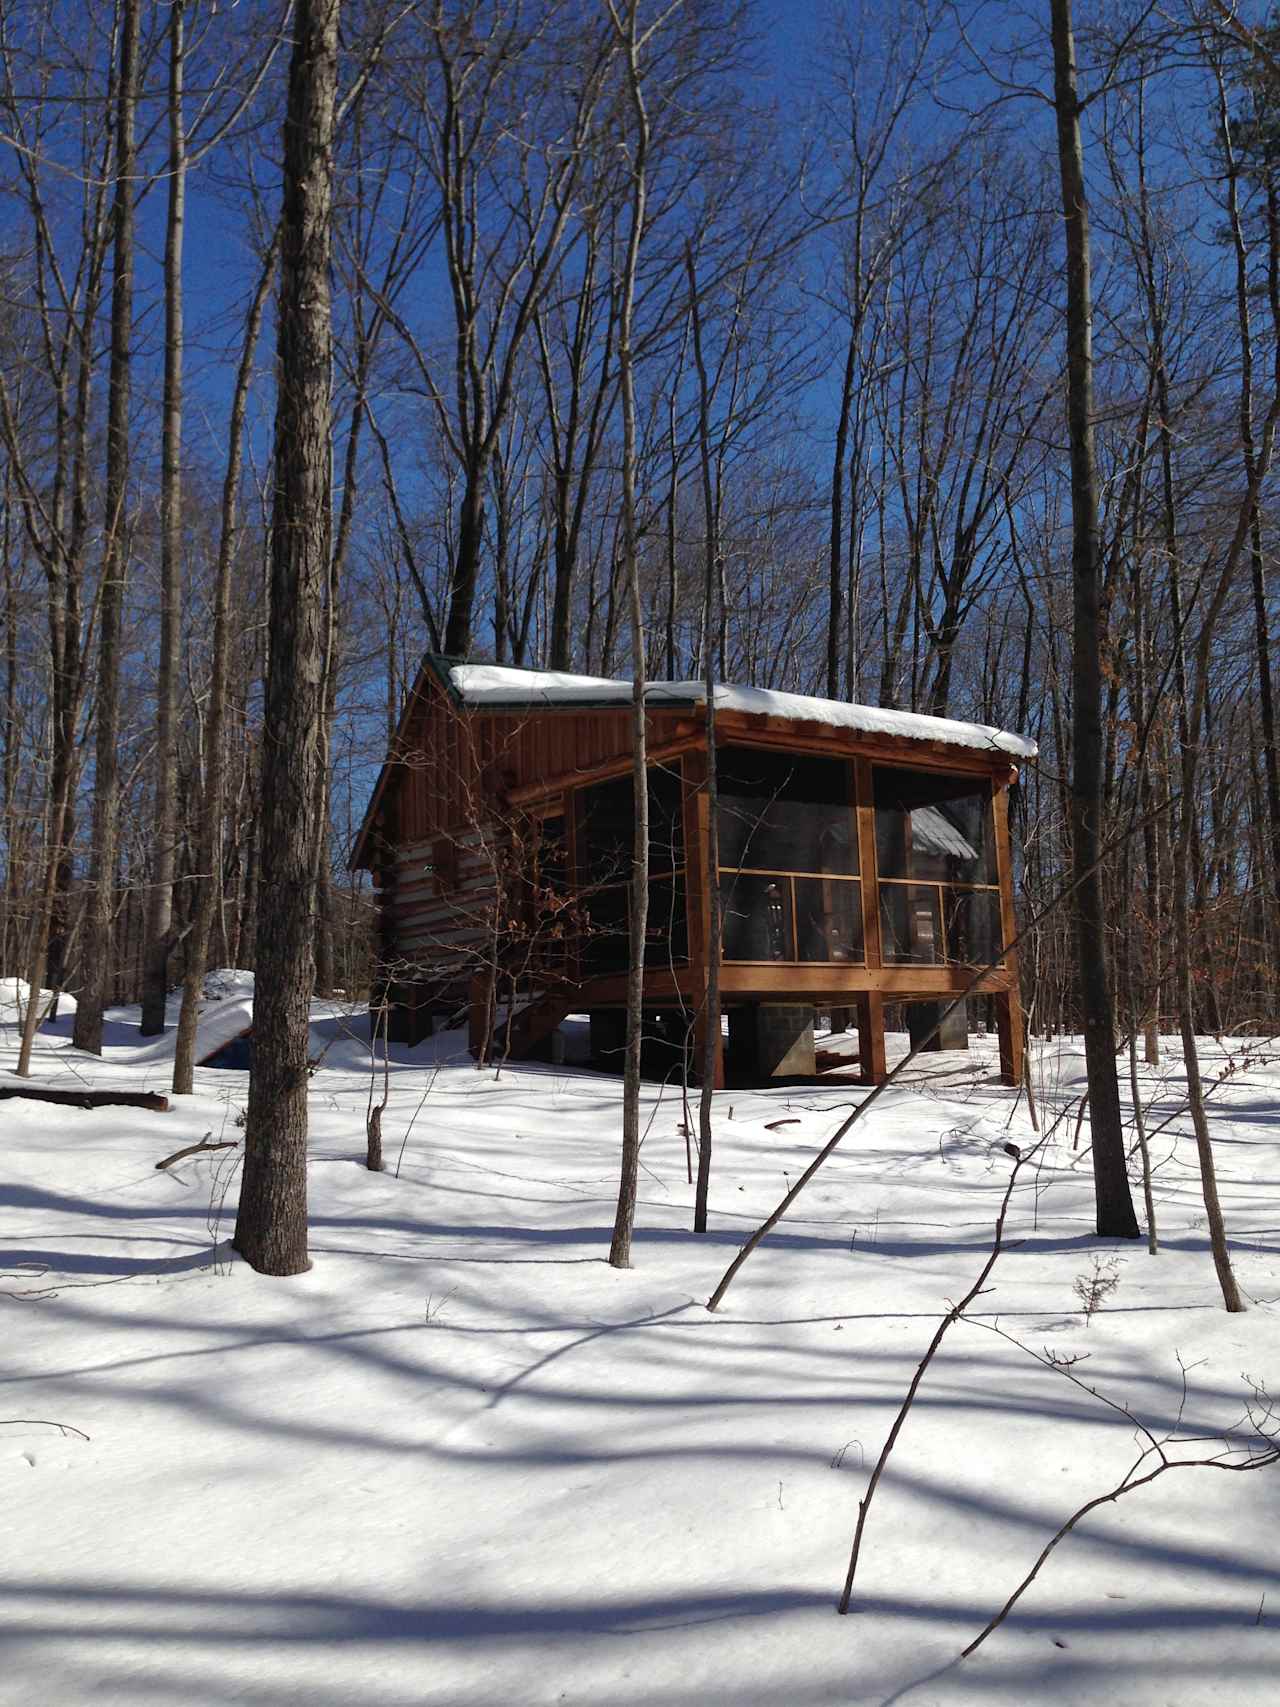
{"x": 493, "y": 687}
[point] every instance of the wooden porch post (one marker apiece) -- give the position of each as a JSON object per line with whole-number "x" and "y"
{"x": 869, "y": 1008}
{"x": 871, "y": 1059}
{"x": 1009, "y": 1031}
{"x": 1008, "y": 1002}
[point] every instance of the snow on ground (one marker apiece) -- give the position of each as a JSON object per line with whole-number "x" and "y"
{"x": 464, "y": 1462}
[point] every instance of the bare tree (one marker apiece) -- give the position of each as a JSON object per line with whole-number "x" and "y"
{"x": 165, "y": 826}
{"x": 877, "y": 81}
{"x": 212, "y": 796}
{"x": 712, "y": 616}
{"x": 96, "y": 957}
{"x": 59, "y": 360}
{"x": 507, "y": 109}
{"x": 1115, "y": 1216}
{"x": 632, "y": 39}
{"x": 271, "y": 1226}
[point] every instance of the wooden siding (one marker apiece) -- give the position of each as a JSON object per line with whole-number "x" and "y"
{"x": 430, "y": 932}
{"x": 451, "y": 767}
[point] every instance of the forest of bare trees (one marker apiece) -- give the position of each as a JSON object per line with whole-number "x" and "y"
{"x": 678, "y": 327}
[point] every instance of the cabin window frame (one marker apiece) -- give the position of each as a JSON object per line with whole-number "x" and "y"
{"x": 729, "y": 876}
{"x": 670, "y": 881}
{"x": 941, "y": 889}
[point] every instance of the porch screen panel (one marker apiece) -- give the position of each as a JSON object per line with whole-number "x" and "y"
{"x": 789, "y": 876}
{"x": 785, "y": 812}
{"x": 936, "y": 865}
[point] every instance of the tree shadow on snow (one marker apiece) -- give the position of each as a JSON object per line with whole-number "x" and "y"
{"x": 228, "y": 1640}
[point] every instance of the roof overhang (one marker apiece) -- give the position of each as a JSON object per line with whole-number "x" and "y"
{"x": 502, "y": 690}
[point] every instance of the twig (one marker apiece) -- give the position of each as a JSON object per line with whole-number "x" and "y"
{"x": 953, "y": 1315}
{"x": 413, "y": 1118}
{"x": 41, "y": 1422}
{"x": 195, "y": 1149}
{"x": 1265, "y": 1451}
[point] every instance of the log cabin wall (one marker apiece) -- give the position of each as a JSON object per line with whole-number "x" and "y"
{"x": 438, "y": 839}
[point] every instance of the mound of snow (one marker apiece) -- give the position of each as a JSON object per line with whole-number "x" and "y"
{"x": 218, "y": 1023}
{"x": 13, "y": 999}
{"x": 226, "y": 981}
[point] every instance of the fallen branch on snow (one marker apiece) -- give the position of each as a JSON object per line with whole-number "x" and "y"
{"x": 88, "y": 1099}
{"x": 196, "y": 1149}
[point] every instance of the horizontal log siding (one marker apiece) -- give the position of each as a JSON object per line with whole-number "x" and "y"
{"x": 425, "y": 924}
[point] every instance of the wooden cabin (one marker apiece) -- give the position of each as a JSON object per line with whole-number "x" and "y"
{"x": 863, "y": 858}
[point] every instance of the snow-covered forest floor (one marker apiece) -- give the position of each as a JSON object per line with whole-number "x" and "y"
{"x": 464, "y": 1461}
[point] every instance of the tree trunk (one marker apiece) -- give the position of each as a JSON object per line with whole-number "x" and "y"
{"x": 624, "y": 1218}
{"x": 324, "y": 924}
{"x": 1190, "y": 726}
{"x": 1115, "y": 1215}
{"x": 835, "y": 592}
{"x": 96, "y": 956}
{"x": 271, "y": 1227}
{"x": 208, "y": 877}
{"x": 466, "y": 564}
{"x": 1266, "y": 695}
{"x": 165, "y": 824}
{"x": 37, "y": 961}
{"x": 711, "y": 588}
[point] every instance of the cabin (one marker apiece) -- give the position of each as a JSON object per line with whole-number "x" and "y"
{"x": 861, "y": 855}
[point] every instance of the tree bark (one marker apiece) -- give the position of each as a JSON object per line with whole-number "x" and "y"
{"x": 96, "y": 957}
{"x": 271, "y": 1227}
{"x": 165, "y": 822}
{"x": 1115, "y": 1214}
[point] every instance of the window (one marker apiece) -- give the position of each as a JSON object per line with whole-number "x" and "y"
{"x": 784, "y": 811}
{"x": 935, "y": 854}
{"x": 605, "y": 820}
{"x": 547, "y": 902}
{"x": 788, "y": 857}
{"x": 934, "y": 827}
{"x": 606, "y": 826}
{"x": 547, "y": 853}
